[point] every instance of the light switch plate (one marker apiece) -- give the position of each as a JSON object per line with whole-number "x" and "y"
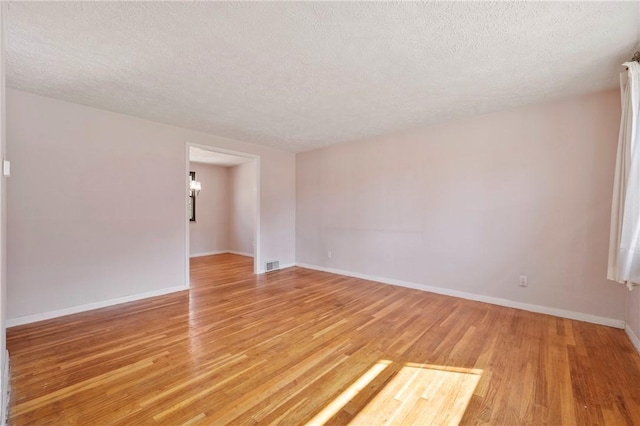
{"x": 6, "y": 168}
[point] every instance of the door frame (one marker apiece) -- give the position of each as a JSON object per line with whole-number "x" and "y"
{"x": 257, "y": 256}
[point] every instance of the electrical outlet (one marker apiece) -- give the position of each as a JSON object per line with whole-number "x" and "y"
{"x": 329, "y": 254}
{"x": 523, "y": 281}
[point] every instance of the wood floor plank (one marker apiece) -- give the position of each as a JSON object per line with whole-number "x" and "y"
{"x": 295, "y": 345}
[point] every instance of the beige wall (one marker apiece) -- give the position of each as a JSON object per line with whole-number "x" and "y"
{"x": 210, "y": 232}
{"x": 633, "y": 312}
{"x": 4, "y": 373}
{"x": 96, "y": 207}
{"x": 96, "y": 212}
{"x": 242, "y": 180}
{"x": 473, "y": 204}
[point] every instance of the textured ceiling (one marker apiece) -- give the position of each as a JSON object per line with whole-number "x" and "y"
{"x": 198, "y": 155}
{"x": 303, "y": 75}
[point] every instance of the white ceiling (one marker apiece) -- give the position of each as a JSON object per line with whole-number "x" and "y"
{"x": 197, "y": 155}
{"x": 304, "y": 75}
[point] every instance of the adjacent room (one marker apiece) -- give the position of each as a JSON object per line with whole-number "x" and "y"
{"x": 402, "y": 213}
{"x": 222, "y": 203}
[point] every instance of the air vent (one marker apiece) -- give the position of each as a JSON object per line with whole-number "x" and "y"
{"x": 273, "y": 266}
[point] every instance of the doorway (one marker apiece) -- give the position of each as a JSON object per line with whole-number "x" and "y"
{"x": 222, "y": 213}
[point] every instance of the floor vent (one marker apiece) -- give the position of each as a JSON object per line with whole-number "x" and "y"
{"x": 273, "y": 266}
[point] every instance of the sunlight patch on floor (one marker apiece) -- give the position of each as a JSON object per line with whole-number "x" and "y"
{"x": 417, "y": 394}
{"x": 346, "y": 396}
{"x": 422, "y": 394}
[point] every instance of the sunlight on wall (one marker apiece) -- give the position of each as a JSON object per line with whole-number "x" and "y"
{"x": 416, "y": 394}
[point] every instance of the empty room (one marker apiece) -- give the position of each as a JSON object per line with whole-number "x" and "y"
{"x": 310, "y": 213}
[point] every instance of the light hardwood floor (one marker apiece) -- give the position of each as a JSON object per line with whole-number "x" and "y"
{"x": 300, "y": 346}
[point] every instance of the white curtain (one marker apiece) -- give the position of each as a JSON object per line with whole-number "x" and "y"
{"x": 624, "y": 241}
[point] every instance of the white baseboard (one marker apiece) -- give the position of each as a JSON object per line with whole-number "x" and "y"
{"x": 287, "y": 265}
{"x": 90, "y": 306}
{"x": 478, "y": 297}
{"x": 283, "y": 266}
{"x": 240, "y": 253}
{"x": 211, "y": 253}
{"x": 633, "y": 337}
{"x": 5, "y": 388}
{"x": 208, "y": 253}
